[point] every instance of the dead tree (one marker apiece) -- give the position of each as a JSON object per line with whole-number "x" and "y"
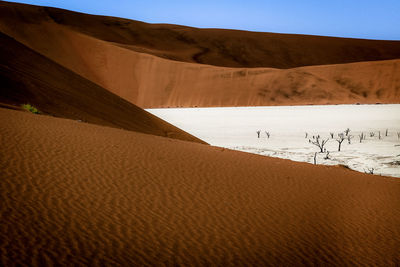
{"x": 258, "y": 133}
{"x": 319, "y": 143}
{"x": 315, "y": 158}
{"x": 349, "y": 137}
{"x": 306, "y": 135}
{"x": 369, "y": 170}
{"x": 379, "y": 135}
{"x": 387, "y": 131}
{"x": 331, "y": 135}
{"x": 340, "y": 140}
{"x": 347, "y": 131}
{"x": 268, "y": 134}
{"x": 361, "y": 136}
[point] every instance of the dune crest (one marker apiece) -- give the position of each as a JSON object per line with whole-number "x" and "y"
{"x": 220, "y": 47}
{"x": 28, "y": 77}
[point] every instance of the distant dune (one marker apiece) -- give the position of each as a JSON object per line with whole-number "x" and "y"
{"x": 28, "y": 77}
{"x": 228, "y": 48}
{"x": 133, "y": 60}
{"x": 79, "y": 194}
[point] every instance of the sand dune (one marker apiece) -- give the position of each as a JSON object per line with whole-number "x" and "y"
{"x": 104, "y": 50}
{"x": 82, "y": 194}
{"x": 219, "y": 47}
{"x": 149, "y": 81}
{"x": 28, "y": 77}
{"x": 169, "y": 84}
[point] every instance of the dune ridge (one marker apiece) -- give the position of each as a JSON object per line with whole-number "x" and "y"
{"x": 228, "y": 48}
{"x": 118, "y": 55}
{"x": 83, "y": 194}
{"x": 28, "y": 77}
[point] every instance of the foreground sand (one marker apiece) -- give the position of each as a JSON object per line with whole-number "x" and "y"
{"x": 76, "y": 193}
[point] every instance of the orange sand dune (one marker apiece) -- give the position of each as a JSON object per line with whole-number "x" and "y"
{"x": 149, "y": 81}
{"x": 219, "y": 47}
{"x": 170, "y": 84}
{"x": 28, "y": 77}
{"x": 79, "y": 194}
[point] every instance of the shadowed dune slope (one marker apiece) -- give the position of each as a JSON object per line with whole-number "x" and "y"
{"x": 28, "y": 77}
{"x": 104, "y": 51}
{"x": 230, "y": 48}
{"x": 81, "y": 194}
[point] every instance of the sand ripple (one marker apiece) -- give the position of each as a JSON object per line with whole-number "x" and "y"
{"x": 80, "y": 194}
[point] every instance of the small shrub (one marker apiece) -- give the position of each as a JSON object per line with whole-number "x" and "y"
{"x": 31, "y": 108}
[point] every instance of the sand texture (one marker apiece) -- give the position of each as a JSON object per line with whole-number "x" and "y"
{"x": 79, "y": 194}
{"x": 156, "y": 66}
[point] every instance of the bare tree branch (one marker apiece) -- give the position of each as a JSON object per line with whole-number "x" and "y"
{"x": 361, "y": 136}
{"x": 319, "y": 143}
{"x": 340, "y": 140}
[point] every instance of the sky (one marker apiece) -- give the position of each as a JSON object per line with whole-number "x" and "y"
{"x": 369, "y": 19}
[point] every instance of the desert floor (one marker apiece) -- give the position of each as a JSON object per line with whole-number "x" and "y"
{"x": 81, "y": 194}
{"x": 287, "y": 126}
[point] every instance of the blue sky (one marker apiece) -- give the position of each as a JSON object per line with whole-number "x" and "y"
{"x": 379, "y": 19}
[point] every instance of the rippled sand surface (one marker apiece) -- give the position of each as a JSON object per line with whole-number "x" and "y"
{"x": 73, "y": 193}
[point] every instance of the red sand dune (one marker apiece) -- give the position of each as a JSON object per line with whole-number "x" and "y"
{"x": 229, "y": 48}
{"x": 79, "y": 194}
{"x": 28, "y": 77}
{"x": 104, "y": 50}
